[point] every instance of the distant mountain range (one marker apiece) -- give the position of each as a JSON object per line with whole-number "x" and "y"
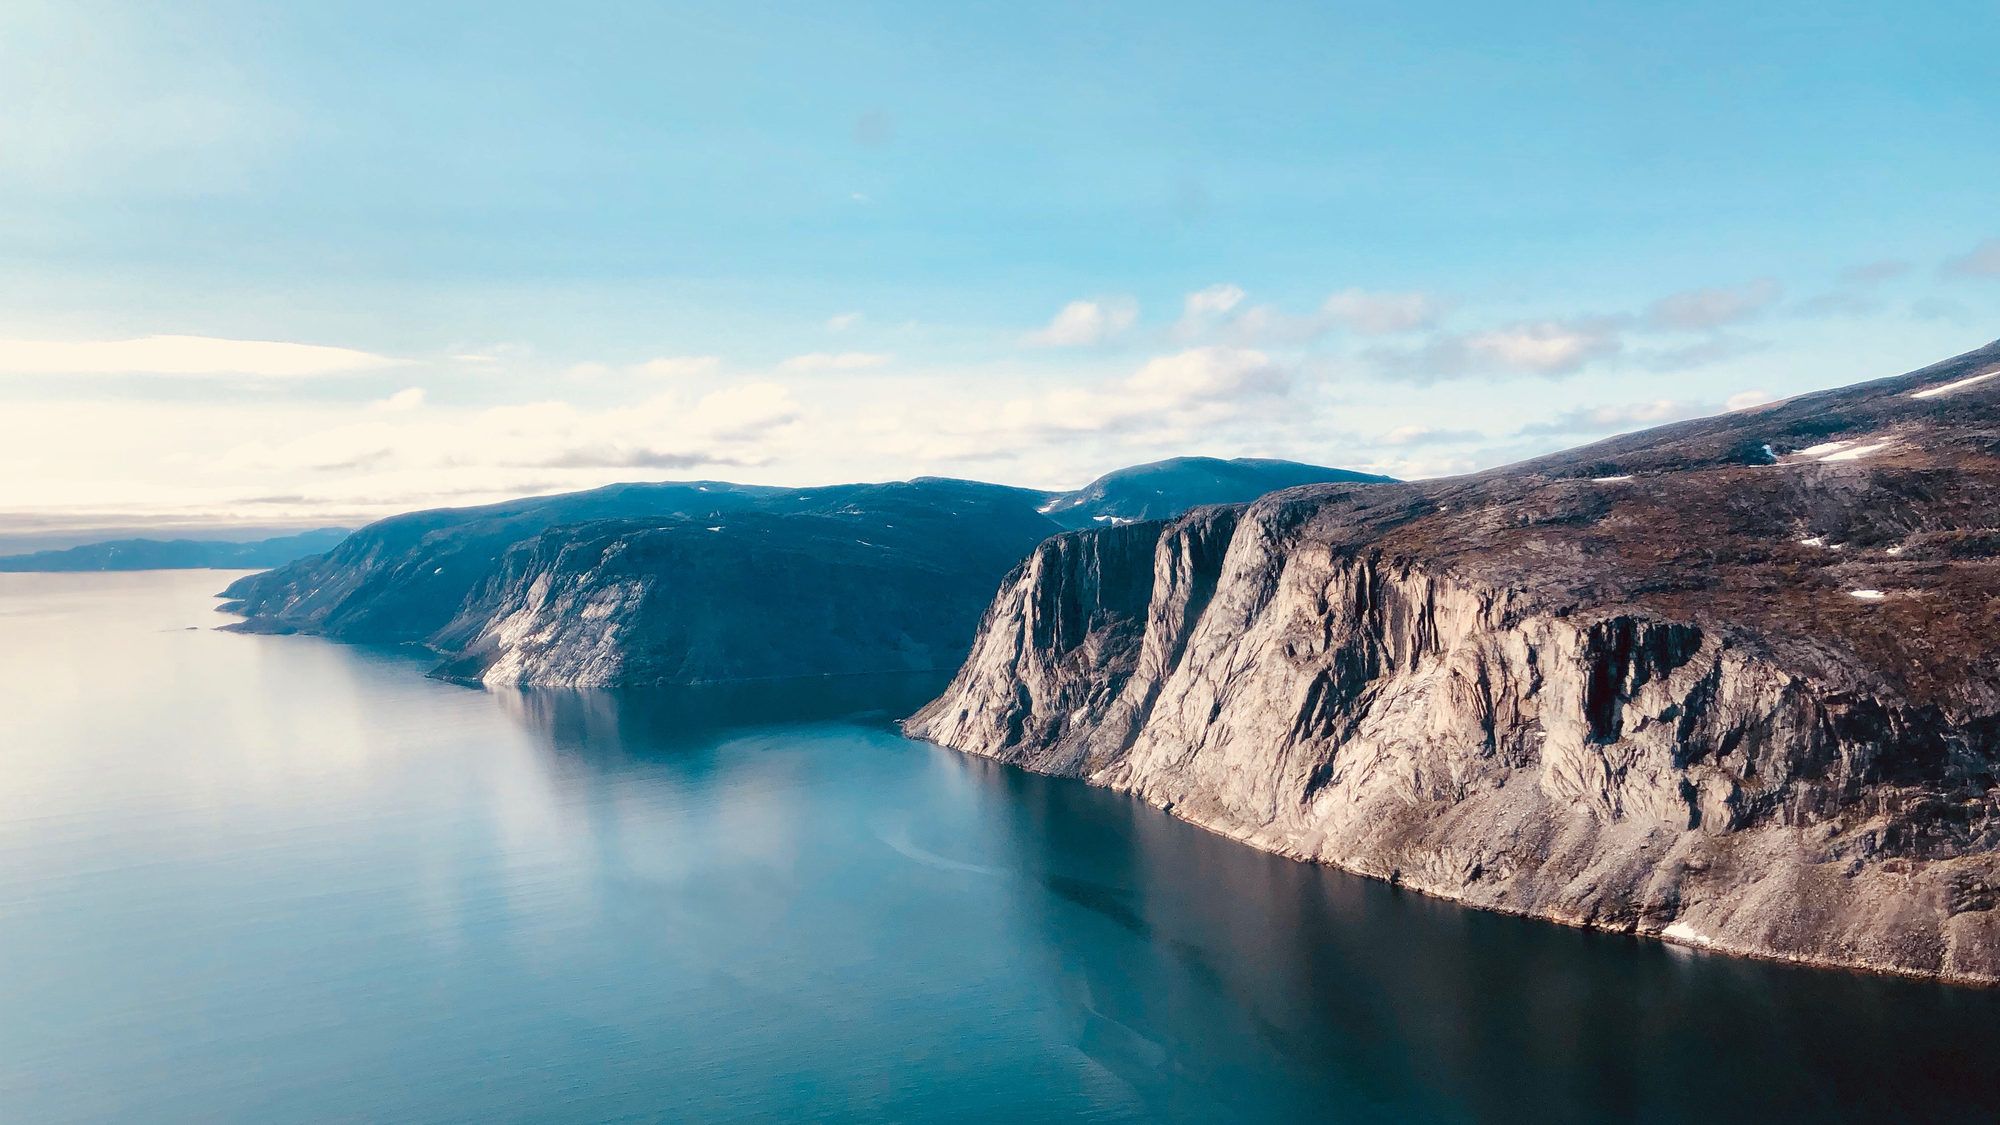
{"x": 708, "y": 581}
{"x": 177, "y": 554}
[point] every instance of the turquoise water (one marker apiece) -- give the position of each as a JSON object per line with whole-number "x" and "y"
{"x": 274, "y": 879}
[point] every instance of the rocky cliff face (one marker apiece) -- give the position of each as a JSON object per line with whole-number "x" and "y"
{"x": 1735, "y": 683}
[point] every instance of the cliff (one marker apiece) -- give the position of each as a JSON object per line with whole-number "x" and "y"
{"x": 1734, "y": 682}
{"x": 706, "y": 581}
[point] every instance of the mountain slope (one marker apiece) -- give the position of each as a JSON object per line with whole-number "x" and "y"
{"x": 1734, "y": 682}
{"x": 176, "y": 554}
{"x": 681, "y": 583}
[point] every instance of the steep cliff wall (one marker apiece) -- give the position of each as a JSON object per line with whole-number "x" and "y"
{"x": 1722, "y": 690}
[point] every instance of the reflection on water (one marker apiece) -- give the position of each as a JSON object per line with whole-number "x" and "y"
{"x": 273, "y": 879}
{"x": 660, "y": 721}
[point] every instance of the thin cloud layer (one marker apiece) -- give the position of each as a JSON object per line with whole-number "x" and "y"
{"x": 1982, "y": 260}
{"x": 1698, "y": 310}
{"x": 1614, "y": 418}
{"x": 1380, "y": 314}
{"x": 680, "y": 366}
{"x": 183, "y": 355}
{"x": 836, "y": 361}
{"x": 1547, "y": 348}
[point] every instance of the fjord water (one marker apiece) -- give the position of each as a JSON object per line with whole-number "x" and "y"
{"x": 249, "y": 878}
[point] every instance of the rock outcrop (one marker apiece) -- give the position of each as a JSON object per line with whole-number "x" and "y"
{"x": 1733, "y": 682}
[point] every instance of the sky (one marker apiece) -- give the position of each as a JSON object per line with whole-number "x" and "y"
{"x": 316, "y": 263}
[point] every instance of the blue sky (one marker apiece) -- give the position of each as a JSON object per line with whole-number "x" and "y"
{"x": 522, "y": 249}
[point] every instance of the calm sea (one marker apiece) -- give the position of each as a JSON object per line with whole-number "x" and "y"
{"x": 274, "y": 879}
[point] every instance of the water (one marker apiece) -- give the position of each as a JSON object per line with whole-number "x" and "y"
{"x": 274, "y": 879}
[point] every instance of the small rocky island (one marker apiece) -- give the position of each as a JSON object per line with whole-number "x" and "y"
{"x": 1733, "y": 682}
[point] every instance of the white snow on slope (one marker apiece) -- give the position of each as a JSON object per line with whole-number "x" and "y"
{"x": 1857, "y": 453}
{"x": 1681, "y": 931}
{"x": 1933, "y": 392}
{"x": 1867, "y": 595}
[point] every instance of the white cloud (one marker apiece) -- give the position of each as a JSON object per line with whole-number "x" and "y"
{"x": 588, "y": 369}
{"x": 744, "y": 411}
{"x": 680, "y": 366}
{"x": 403, "y": 401}
{"x": 835, "y": 361}
{"x": 1212, "y": 301}
{"x": 410, "y": 454}
{"x": 1701, "y": 309}
{"x": 842, "y": 321}
{"x": 1171, "y": 394}
{"x": 182, "y": 355}
{"x": 1380, "y": 314}
{"x": 1082, "y": 323}
{"x": 1203, "y": 374}
{"x": 1542, "y": 348}
{"x": 1744, "y": 400}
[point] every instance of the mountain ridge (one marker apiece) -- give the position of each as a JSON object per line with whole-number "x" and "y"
{"x": 145, "y": 553}
{"x": 583, "y": 589}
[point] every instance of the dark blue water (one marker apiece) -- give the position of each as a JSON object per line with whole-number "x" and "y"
{"x": 273, "y": 879}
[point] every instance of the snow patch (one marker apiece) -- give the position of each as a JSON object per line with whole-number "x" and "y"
{"x": 1681, "y": 931}
{"x": 1867, "y": 595}
{"x": 1896, "y": 550}
{"x": 1115, "y": 521}
{"x": 1857, "y": 453}
{"x": 1933, "y": 392}
{"x": 715, "y": 529}
{"x": 1813, "y": 541}
{"x": 1610, "y": 480}
{"x": 1824, "y": 448}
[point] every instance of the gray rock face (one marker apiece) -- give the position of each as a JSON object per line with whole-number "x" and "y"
{"x": 1734, "y": 683}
